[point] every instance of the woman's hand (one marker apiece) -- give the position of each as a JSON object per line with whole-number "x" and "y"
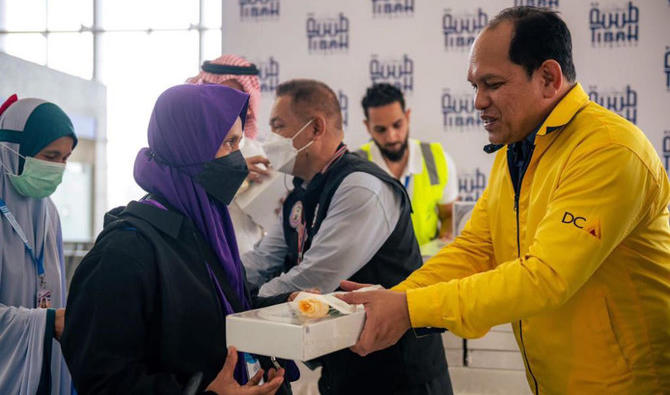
{"x": 225, "y": 384}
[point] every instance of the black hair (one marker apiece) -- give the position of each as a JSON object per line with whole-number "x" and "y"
{"x": 539, "y": 34}
{"x": 380, "y": 95}
{"x": 309, "y": 96}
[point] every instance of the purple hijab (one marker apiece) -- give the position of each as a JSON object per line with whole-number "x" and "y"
{"x": 187, "y": 127}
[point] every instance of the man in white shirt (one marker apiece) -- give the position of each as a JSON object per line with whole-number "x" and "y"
{"x": 425, "y": 169}
{"x": 344, "y": 219}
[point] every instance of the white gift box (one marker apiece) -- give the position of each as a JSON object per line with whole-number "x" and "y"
{"x": 280, "y": 331}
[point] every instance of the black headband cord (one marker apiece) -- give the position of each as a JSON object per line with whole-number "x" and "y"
{"x": 214, "y": 68}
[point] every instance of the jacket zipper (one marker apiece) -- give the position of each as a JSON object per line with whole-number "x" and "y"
{"x": 517, "y": 192}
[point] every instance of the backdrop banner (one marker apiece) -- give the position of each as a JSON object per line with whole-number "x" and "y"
{"x": 621, "y": 50}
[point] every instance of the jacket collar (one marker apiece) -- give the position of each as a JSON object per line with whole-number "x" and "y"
{"x": 168, "y": 221}
{"x": 318, "y": 179}
{"x": 565, "y": 110}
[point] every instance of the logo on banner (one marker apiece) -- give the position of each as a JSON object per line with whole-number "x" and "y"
{"x": 623, "y": 102}
{"x": 391, "y": 8}
{"x": 666, "y": 150}
{"x": 471, "y": 185}
{"x": 614, "y": 25}
{"x": 268, "y": 75}
{"x": 327, "y": 35}
{"x": 458, "y": 111}
{"x": 460, "y": 30}
{"x": 667, "y": 67}
{"x": 397, "y": 72}
{"x": 553, "y": 4}
{"x": 259, "y": 10}
{"x": 344, "y": 107}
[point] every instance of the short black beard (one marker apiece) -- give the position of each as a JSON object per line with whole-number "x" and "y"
{"x": 391, "y": 155}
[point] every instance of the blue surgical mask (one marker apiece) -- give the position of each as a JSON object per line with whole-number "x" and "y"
{"x": 39, "y": 178}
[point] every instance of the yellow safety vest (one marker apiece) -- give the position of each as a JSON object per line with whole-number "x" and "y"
{"x": 428, "y": 188}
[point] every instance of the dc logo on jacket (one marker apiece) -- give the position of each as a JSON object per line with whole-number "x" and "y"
{"x": 397, "y": 72}
{"x": 471, "y": 185}
{"x": 344, "y": 107}
{"x": 622, "y": 102}
{"x": 255, "y": 10}
{"x": 553, "y": 4}
{"x": 268, "y": 75}
{"x": 458, "y": 111}
{"x": 614, "y": 25}
{"x": 460, "y": 30}
{"x": 392, "y": 8}
{"x": 327, "y": 35}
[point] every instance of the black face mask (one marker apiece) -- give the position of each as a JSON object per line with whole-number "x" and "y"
{"x": 222, "y": 177}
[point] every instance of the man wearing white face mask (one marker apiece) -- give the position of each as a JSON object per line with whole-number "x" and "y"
{"x": 282, "y": 152}
{"x": 345, "y": 219}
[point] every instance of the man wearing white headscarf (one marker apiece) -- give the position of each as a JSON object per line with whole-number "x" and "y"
{"x": 238, "y": 73}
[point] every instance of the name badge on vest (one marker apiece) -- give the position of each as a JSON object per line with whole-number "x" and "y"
{"x": 296, "y": 215}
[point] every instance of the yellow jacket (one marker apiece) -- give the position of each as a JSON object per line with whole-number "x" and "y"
{"x": 589, "y": 294}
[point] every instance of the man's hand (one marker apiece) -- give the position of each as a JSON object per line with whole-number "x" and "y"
{"x": 225, "y": 384}
{"x": 347, "y": 285}
{"x": 445, "y": 213}
{"x": 387, "y": 317}
{"x": 256, "y": 172}
{"x": 59, "y": 323}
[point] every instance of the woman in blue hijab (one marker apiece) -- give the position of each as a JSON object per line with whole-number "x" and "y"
{"x": 36, "y": 139}
{"x": 147, "y": 305}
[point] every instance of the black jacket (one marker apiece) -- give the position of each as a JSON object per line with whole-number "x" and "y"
{"x": 143, "y": 315}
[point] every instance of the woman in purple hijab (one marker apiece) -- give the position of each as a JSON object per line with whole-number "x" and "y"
{"x": 147, "y": 305}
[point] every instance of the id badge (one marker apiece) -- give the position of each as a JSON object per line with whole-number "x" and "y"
{"x": 253, "y": 366}
{"x": 44, "y": 298}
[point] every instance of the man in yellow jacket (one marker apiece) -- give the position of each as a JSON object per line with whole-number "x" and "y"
{"x": 570, "y": 242}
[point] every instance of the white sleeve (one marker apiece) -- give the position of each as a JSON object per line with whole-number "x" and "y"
{"x": 362, "y": 214}
{"x": 22, "y": 333}
{"x": 451, "y": 189}
{"x": 266, "y": 260}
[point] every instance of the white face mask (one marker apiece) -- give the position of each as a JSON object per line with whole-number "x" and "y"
{"x": 281, "y": 152}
